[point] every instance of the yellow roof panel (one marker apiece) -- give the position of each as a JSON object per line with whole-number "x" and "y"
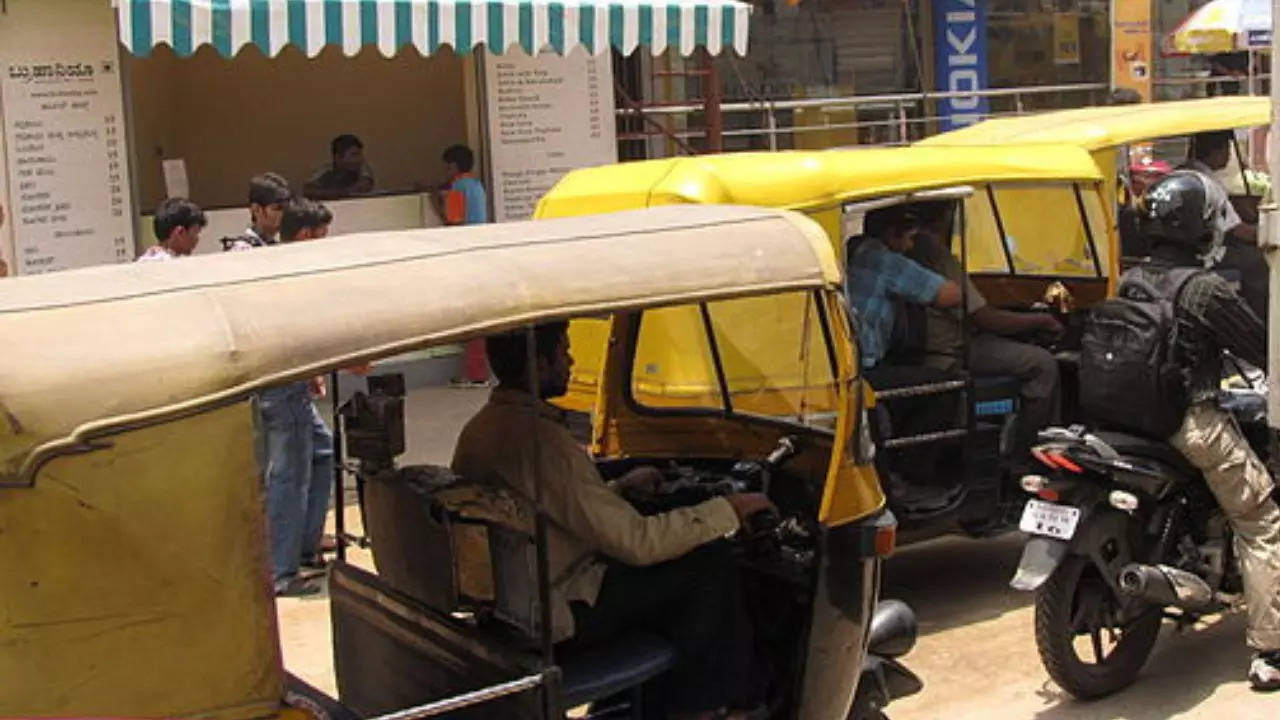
{"x": 1094, "y": 128}
{"x": 805, "y": 179}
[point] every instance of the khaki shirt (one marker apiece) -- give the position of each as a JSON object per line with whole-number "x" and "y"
{"x": 944, "y": 335}
{"x": 588, "y": 519}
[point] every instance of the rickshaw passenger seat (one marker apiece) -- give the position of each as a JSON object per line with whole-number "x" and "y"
{"x": 595, "y": 673}
{"x": 413, "y": 547}
{"x": 590, "y": 673}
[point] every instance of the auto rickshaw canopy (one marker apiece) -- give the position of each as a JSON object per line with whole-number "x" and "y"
{"x": 1096, "y": 128}
{"x": 105, "y": 348}
{"x": 805, "y": 180}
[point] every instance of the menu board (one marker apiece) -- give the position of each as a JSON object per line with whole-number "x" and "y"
{"x": 546, "y": 115}
{"x": 67, "y": 171}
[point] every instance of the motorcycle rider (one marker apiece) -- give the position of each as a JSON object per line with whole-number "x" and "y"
{"x": 1179, "y": 217}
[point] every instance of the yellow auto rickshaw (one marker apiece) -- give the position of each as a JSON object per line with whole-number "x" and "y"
{"x": 1002, "y": 198}
{"x": 1129, "y": 142}
{"x": 134, "y": 577}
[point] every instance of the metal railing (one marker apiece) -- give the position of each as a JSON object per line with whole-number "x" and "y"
{"x": 900, "y": 112}
{"x": 902, "y": 117}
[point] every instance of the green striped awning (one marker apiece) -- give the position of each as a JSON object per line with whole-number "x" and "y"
{"x": 534, "y": 26}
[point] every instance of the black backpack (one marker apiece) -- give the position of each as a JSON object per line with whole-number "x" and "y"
{"x": 1130, "y": 379}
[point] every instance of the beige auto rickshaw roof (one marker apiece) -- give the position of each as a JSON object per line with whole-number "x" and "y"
{"x": 1094, "y": 128}
{"x": 806, "y": 179}
{"x": 88, "y": 351}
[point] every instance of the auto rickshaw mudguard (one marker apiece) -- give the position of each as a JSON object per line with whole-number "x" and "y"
{"x": 844, "y": 601}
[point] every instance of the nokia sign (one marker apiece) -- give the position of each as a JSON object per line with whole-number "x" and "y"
{"x": 960, "y": 32}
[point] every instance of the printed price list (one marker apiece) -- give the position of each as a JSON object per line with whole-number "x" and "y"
{"x": 68, "y": 177}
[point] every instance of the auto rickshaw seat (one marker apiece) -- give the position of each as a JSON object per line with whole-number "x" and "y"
{"x": 627, "y": 663}
{"x": 413, "y": 542}
{"x": 589, "y": 673}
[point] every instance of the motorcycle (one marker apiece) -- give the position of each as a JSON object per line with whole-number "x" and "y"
{"x": 1124, "y": 534}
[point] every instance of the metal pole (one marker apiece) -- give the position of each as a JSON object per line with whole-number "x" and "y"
{"x": 339, "y": 461}
{"x": 465, "y": 700}
{"x": 1271, "y": 228}
{"x": 711, "y": 95}
{"x": 540, "y": 517}
{"x": 1251, "y": 57}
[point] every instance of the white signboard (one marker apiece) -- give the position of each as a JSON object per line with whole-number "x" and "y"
{"x": 68, "y": 183}
{"x": 547, "y": 115}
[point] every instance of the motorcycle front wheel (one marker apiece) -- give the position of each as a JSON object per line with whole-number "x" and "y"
{"x": 1087, "y": 646}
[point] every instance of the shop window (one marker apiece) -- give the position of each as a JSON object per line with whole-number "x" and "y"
{"x": 1051, "y": 42}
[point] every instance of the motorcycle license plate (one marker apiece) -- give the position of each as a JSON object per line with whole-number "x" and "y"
{"x": 1055, "y": 521}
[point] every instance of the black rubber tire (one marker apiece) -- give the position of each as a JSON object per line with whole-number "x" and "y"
{"x": 1054, "y": 638}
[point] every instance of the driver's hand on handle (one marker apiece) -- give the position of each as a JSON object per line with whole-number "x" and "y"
{"x": 748, "y": 504}
{"x": 1049, "y": 324}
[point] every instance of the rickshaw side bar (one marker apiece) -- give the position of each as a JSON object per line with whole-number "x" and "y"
{"x": 1004, "y": 239}
{"x": 540, "y": 516}
{"x": 963, "y": 220}
{"x": 715, "y": 358}
{"x": 825, "y": 323}
{"x": 916, "y": 390}
{"x": 1244, "y": 175}
{"x": 970, "y": 419}
{"x": 1088, "y": 231}
{"x": 465, "y": 700}
{"x": 924, "y": 439}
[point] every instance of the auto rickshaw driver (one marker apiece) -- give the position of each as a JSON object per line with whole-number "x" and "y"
{"x": 992, "y": 349}
{"x": 614, "y": 570}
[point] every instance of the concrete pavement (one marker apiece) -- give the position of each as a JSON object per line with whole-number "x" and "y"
{"x": 978, "y": 658}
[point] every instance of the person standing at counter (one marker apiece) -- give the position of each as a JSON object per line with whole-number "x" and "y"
{"x": 463, "y": 201}
{"x": 268, "y": 195}
{"x": 177, "y": 223}
{"x": 348, "y": 174}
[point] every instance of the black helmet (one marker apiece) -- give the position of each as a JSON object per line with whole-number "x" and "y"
{"x": 1177, "y": 209}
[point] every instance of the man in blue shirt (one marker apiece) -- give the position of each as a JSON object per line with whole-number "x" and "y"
{"x": 877, "y": 273}
{"x": 878, "y": 280}
{"x": 463, "y": 200}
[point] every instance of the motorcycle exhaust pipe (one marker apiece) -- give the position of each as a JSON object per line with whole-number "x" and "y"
{"x": 1164, "y": 585}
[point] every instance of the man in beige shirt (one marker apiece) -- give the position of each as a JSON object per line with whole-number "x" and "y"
{"x": 612, "y": 569}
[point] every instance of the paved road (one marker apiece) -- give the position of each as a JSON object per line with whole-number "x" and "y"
{"x": 978, "y": 659}
{"x": 976, "y": 651}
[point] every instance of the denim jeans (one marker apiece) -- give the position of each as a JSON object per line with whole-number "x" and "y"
{"x": 297, "y": 449}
